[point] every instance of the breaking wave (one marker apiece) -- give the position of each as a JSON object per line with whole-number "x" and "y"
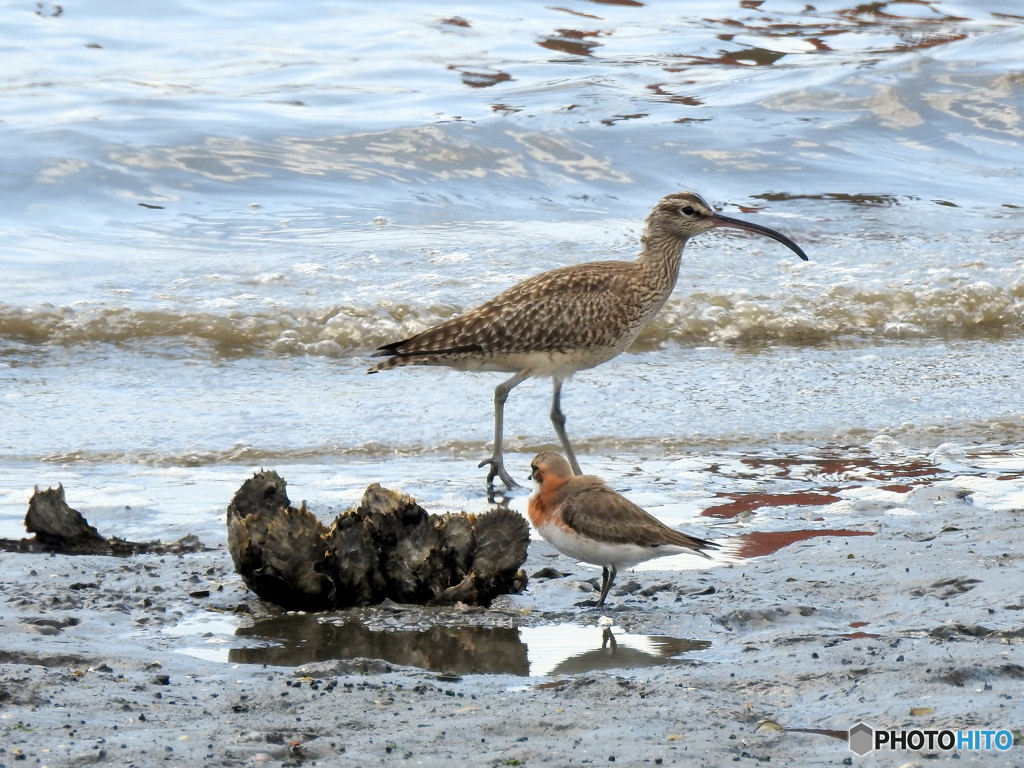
{"x": 970, "y": 310}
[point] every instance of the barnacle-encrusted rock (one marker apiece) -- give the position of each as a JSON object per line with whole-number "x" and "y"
{"x": 388, "y": 547}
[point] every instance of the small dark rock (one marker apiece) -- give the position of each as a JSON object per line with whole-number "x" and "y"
{"x": 655, "y": 589}
{"x": 709, "y": 590}
{"x": 628, "y": 588}
{"x": 548, "y": 573}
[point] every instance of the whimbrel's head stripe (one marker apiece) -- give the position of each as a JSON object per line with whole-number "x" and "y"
{"x": 684, "y": 214}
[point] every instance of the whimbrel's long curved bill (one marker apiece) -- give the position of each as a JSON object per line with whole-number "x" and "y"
{"x": 727, "y": 221}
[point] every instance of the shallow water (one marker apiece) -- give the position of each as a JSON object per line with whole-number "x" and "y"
{"x": 213, "y": 214}
{"x": 538, "y": 651}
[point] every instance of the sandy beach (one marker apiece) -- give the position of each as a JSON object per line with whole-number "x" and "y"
{"x": 169, "y": 660}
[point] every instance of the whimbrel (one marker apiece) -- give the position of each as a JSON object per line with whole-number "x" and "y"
{"x": 568, "y": 319}
{"x": 585, "y": 519}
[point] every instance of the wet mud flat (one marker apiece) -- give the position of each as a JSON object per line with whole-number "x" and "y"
{"x": 167, "y": 659}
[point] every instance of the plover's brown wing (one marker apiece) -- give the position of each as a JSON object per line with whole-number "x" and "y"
{"x": 568, "y": 308}
{"x": 599, "y": 513}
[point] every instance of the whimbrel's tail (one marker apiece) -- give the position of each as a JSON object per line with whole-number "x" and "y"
{"x": 439, "y": 345}
{"x": 397, "y": 358}
{"x": 391, "y": 362}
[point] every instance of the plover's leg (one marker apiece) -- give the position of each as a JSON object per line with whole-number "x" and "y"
{"x": 608, "y": 576}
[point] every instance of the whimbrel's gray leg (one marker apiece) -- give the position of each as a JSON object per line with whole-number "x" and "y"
{"x": 558, "y": 419}
{"x": 608, "y": 575}
{"x": 497, "y": 458}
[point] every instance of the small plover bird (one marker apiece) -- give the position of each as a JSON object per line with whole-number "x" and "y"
{"x": 585, "y": 519}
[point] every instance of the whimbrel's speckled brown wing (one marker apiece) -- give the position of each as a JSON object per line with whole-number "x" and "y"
{"x": 599, "y": 513}
{"x": 580, "y": 306}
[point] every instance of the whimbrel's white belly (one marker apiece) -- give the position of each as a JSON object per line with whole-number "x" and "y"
{"x": 560, "y": 364}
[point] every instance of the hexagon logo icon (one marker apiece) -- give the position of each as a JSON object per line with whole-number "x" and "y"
{"x": 861, "y": 739}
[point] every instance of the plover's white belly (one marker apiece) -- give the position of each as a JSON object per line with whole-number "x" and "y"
{"x": 602, "y": 553}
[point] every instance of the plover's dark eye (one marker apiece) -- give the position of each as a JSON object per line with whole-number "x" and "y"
{"x": 688, "y": 210}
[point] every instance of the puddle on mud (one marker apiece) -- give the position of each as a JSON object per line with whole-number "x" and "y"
{"x": 558, "y": 649}
{"x": 555, "y": 649}
{"x": 749, "y": 502}
{"x": 761, "y": 543}
{"x": 838, "y": 470}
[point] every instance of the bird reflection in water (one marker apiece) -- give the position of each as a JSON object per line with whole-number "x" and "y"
{"x": 633, "y": 652}
{"x": 295, "y": 639}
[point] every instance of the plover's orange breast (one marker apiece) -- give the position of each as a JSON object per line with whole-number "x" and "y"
{"x": 545, "y": 504}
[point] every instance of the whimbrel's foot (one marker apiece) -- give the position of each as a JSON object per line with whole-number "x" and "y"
{"x": 498, "y": 470}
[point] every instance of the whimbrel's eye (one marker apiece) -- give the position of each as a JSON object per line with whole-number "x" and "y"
{"x": 688, "y": 210}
